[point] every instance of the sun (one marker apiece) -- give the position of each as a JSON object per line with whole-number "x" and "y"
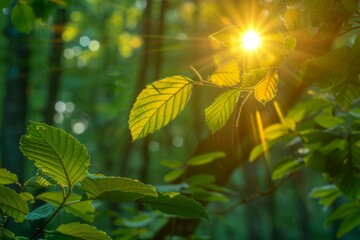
{"x": 250, "y": 40}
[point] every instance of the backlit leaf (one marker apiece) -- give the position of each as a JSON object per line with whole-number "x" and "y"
{"x": 173, "y": 175}
{"x": 286, "y": 167}
{"x": 175, "y": 204}
{"x": 254, "y": 77}
{"x": 205, "y": 158}
{"x": 227, "y": 74}
{"x": 37, "y": 182}
{"x": 81, "y": 209}
{"x": 158, "y": 104}
{"x": 326, "y": 194}
{"x": 23, "y": 17}
{"x": 7, "y": 177}
{"x": 290, "y": 43}
{"x": 292, "y": 19}
{"x": 27, "y": 197}
{"x": 266, "y": 89}
{"x": 12, "y": 204}
{"x": 219, "y": 112}
{"x": 228, "y": 37}
{"x": 56, "y": 153}
{"x": 81, "y": 231}
{"x": 116, "y": 189}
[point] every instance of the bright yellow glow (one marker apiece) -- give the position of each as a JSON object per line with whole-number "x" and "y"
{"x": 250, "y": 40}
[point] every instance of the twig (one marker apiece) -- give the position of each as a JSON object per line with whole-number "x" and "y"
{"x": 255, "y": 196}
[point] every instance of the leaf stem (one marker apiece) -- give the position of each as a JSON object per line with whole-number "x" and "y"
{"x": 65, "y": 197}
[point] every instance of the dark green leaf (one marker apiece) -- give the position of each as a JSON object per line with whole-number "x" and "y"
{"x": 219, "y": 112}
{"x": 116, "y": 189}
{"x": 201, "y": 179}
{"x": 175, "y": 204}
{"x": 349, "y": 223}
{"x": 326, "y": 194}
{"x": 23, "y": 17}
{"x": 343, "y": 211}
{"x": 158, "y": 104}
{"x": 346, "y": 92}
{"x": 56, "y": 153}
{"x": 44, "y": 211}
{"x": 205, "y": 158}
{"x": 12, "y": 204}
{"x": 6, "y": 234}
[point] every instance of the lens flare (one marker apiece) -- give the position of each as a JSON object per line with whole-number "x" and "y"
{"x": 250, "y": 40}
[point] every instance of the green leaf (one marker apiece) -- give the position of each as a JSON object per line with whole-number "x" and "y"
{"x": 342, "y": 212}
{"x": 290, "y": 43}
{"x": 23, "y": 17}
{"x": 81, "y": 231}
{"x": 6, "y": 234}
{"x": 219, "y": 112}
{"x": 346, "y": 92}
{"x": 81, "y": 209}
{"x": 205, "y": 158}
{"x": 44, "y": 211}
{"x": 254, "y": 77}
{"x": 56, "y": 153}
{"x": 116, "y": 189}
{"x": 351, "y": 5}
{"x": 228, "y": 37}
{"x": 227, "y": 74}
{"x": 171, "y": 163}
{"x": 327, "y": 194}
{"x": 175, "y": 204}
{"x": 27, "y": 197}
{"x": 37, "y": 182}
{"x": 275, "y": 131}
{"x": 174, "y": 174}
{"x": 201, "y": 179}
{"x": 286, "y": 167}
{"x": 327, "y": 121}
{"x": 349, "y": 224}
{"x": 329, "y": 70}
{"x": 158, "y": 104}
{"x": 267, "y": 88}
{"x": 12, "y": 204}
{"x": 7, "y": 177}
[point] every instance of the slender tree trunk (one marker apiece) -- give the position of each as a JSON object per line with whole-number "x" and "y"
{"x": 16, "y": 99}
{"x": 55, "y": 65}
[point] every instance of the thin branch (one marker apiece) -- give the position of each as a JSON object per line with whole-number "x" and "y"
{"x": 255, "y": 196}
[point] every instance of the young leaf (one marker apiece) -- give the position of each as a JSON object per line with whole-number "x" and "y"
{"x": 205, "y": 158}
{"x": 23, "y": 17}
{"x": 287, "y": 166}
{"x": 228, "y": 37}
{"x": 158, "y": 104}
{"x": 227, "y": 74}
{"x": 44, "y": 211}
{"x": 266, "y": 89}
{"x": 219, "y": 112}
{"x": 175, "y": 204}
{"x": 81, "y": 231}
{"x": 327, "y": 194}
{"x": 12, "y": 204}
{"x": 7, "y": 177}
{"x": 81, "y": 209}
{"x": 174, "y": 174}
{"x": 56, "y": 153}
{"x": 116, "y": 189}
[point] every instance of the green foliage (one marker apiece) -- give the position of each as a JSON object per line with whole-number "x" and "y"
{"x": 79, "y": 231}
{"x": 158, "y": 104}
{"x": 23, "y": 17}
{"x": 7, "y": 177}
{"x": 56, "y": 153}
{"x": 11, "y": 204}
{"x": 226, "y": 75}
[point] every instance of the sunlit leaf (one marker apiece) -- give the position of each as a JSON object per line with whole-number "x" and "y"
{"x": 23, "y": 17}
{"x": 227, "y": 74}
{"x": 286, "y": 167}
{"x": 219, "y": 112}
{"x": 254, "y": 77}
{"x": 116, "y": 189}
{"x": 228, "y": 37}
{"x": 37, "y": 182}
{"x": 27, "y": 197}
{"x": 205, "y": 158}
{"x": 44, "y": 211}
{"x": 7, "y": 177}
{"x": 326, "y": 194}
{"x": 175, "y": 204}
{"x": 12, "y": 204}
{"x": 158, "y": 104}
{"x": 81, "y": 231}
{"x": 81, "y": 209}
{"x": 266, "y": 89}
{"x": 292, "y": 19}
{"x": 174, "y": 174}
{"x": 56, "y": 153}
{"x": 275, "y": 131}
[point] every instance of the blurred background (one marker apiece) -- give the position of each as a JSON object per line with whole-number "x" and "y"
{"x": 81, "y": 67}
